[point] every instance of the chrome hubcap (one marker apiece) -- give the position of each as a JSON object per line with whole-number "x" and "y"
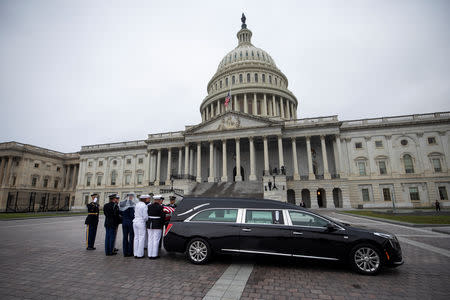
{"x": 198, "y": 251}
{"x": 367, "y": 259}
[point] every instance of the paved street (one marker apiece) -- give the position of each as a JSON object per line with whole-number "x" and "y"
{"x": 45, "y": 259}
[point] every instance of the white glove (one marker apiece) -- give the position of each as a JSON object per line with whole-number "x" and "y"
{"x": 95, "y": 200}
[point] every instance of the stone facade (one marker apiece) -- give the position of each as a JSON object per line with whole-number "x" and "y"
{"x": 36, "y": 179}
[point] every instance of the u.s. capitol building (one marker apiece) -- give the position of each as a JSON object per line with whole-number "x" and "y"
{"x": 256, "y": 146}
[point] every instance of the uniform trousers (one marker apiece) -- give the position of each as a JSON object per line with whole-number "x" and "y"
{"x": 154, "y": 235}
{"x": 140, "y": 232}
{"x": 91, "y": 232}
{"x": 110, "y": 239}
{"x": 128, "y": 238}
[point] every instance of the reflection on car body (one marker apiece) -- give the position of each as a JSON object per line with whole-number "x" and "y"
{"x": 203, "y": 226}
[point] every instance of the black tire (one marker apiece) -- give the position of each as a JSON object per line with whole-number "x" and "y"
{"x": 198, "y": 251}
{"x": 366, "y": 259}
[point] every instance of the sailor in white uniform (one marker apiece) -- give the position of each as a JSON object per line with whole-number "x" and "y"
{"x": 140, "y": 218}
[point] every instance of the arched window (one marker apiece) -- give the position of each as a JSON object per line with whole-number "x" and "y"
{"x": 276, "y": 81}
{"x": 408, "y": 162}
{"x": 240, "y": 78}
{"x": 240, "y": 54}
{"x": 246, "y": 54}
{"x": 270, "y": 79}
{"x": 220, "y": 84}
{"x": 248, "y": 77}
{"x": 233, "y": 80}
{"x": 263, "y": 77}
{"x": 216, "y": 86}
{"x": 113, "y": 177}
{"x": 226, "y": 81}
{"x": 253, "y": 54}
{"x": 235, "y": 56}
{"x": 264, "y": 57}
{"x": 257, "y": 54}
{"x": 256, "y": 77}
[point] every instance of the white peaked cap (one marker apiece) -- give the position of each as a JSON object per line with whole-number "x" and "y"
{"x": 144, "y": 197}
{"x": 157, "y": 197}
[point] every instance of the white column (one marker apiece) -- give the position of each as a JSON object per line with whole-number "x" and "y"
{"x": 280, "y": 152}
{"x": 270, "y": 107}
{"x": 339, "y": 155}
{"x": 311, "y": 175}
{"x": 75, "y": 177}
{"x": 282, "y": 108}
{"x": 180, "y": 158}
{"x": 274, "y": 108}
{"x": 191, "y": 162}
{"x": 293, "y": 111}
{"x": 169, "y": 166}
{"x": 158, "y": 168}
{"x": 186, "y": 159}
{"x": 224, "y": 161}
{"x": 207, "y": 113}
{"x": 266, "y": 156}
{"x": 288, "y": 109}
{"x": 236, "y": 103}
{"x": 238, "y": 161}
{"x": 255, "y": 105}
{"x": 294, "y": 159}
{"x": 326, "y": 173}
{"x": 211, "y": 161}
{"x": 218, "y": 108}
{"x": 252, "y": 176}
{"x": 245, "y": 104}
{"x": 264, "y": 106}
{"x": 2, "y": 167}
{"x": 199, "y": 162}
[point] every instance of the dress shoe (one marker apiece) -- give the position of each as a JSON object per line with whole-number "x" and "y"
{"x": 116, "y": 250}
{"x": 138, "y": 257}
{"x": 90, "y": 248}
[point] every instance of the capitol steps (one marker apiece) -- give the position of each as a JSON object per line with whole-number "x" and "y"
{"x": 228, "y": 189}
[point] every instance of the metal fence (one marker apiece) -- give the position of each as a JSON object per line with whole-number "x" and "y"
{"x": 24, "y": 201}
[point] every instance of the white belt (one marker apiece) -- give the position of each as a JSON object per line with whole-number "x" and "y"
{"x": 152, "y": 217}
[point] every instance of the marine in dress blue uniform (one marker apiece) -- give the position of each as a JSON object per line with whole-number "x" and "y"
{"x": 92, "y": 222}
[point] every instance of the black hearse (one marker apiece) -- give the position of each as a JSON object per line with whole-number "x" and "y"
{"x": 203, "y": 226}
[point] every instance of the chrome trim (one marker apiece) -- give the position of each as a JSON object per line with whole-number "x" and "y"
{"x": 316, "y": 257}
{"x": 256, "y": 252}
{"x": 286, "y": 218}
{"x": 239, "y": 216}
{"x": 297, "y": 233}
{"x": 246, "y": 229}
{"x": 192, "y": 209}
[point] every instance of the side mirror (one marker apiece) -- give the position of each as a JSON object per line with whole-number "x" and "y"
{"x": 330, "y": 227}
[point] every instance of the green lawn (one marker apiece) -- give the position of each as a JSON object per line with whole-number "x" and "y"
{"x": 5, "y": 216}
{"x": 409, "y": 218}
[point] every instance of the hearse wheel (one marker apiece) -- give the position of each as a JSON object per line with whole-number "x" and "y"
{"x": 198, "y": 251}
{"x": 366, "y": 259}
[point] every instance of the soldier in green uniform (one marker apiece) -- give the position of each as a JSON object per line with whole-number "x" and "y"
{"x": 92, "y": 222}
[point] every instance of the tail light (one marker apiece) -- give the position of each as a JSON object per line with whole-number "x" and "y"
{"x": 168, "y": 229}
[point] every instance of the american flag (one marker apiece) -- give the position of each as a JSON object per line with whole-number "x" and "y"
{"x": 227, "y": 99}
{"x": 169, "y": 211}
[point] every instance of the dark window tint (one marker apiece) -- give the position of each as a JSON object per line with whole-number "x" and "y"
{"x": 264, "y": 217}
{"x": 299, "y": 218}
{"x": 216, "y": 215}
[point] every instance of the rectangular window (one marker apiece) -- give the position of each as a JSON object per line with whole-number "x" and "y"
{"x": 140, "y": 161}
{"x": 86, "y": 199}
{"x": 139, "y": 178}
{"x": 358, "y": 145}
{"x": 216, "y": 215}
{"x": 365, "y": 194}
{"x": 382, "y": 165}
{"x": 33, "y": 181}
{"x": 90, "y": 164}
{"x": 45, "y": 182}
{"x": 36, "y": 165}
{"x": 127, "y": 179}
{"x": 443, "y": 193}
{"x": 362, "y": 168}
{"x": 88, "y": 181}
{"x": 55, "y": 185}
{"x": 100, "y": 163}
{"x": 437, "y": 165}
{"x": 264, "y": 217}
{"x": 379, "y": 144}
{"x": 414, "y": 194}
{"x": 129, "y": 161}
{"x": 14, "y": 180}
{"x": 99, "y": 180}
{"x": 431, "y": 140}
{"x": 387, "y": 194}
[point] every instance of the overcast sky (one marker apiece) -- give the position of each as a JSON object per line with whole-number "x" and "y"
{"x": 76, "y": 73}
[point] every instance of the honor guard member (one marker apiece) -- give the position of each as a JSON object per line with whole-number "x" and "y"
{"x": 156, "y": 216}
{"x": 140, "y": 231}
{"x": 126, "y": 211}
{"x": 172, "y": 203}
{"x": 92, "y": 222}
{"x": 112, "y": 221}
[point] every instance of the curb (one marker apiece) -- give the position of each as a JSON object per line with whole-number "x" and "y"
{"x": 395, "y": 222}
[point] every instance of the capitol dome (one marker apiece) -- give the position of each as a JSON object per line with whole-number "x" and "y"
{"x": 254, "y": 82}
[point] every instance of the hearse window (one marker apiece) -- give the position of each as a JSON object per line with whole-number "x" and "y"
{"x": 264, "y": 217}
{"x": 302, "y": 219}
{"x": 216, "y": 215}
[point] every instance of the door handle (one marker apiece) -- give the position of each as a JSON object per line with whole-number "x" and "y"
{"x": 246, "y": 229}
{"x": 297, "y": 233}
